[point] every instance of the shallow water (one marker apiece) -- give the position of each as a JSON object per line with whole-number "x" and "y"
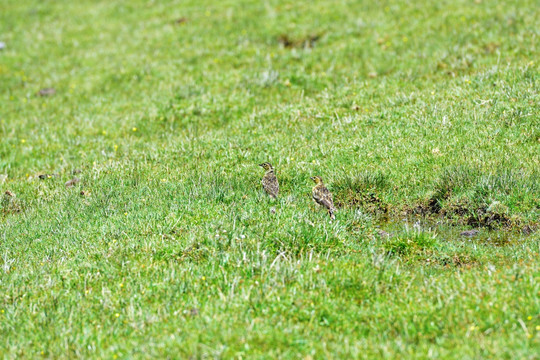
{"x": 453, "y": 232}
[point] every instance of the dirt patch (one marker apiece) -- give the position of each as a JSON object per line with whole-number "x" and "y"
{"x": 483, "y": 218}
{"x": 466, "y": 214}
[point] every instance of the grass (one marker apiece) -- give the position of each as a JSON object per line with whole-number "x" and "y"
{"x": 423, "y": 111}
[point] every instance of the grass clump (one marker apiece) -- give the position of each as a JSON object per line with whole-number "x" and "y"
{"x": 482, "y": 199}
{"x": 362, "y": 191}
{"x": 410, "y": 243}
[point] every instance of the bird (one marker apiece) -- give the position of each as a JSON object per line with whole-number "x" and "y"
{"x": 323, "y": 196}
{"x": 269, "y": 181}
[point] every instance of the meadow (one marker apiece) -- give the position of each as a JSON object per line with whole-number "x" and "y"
{"x": 423, "y": 119}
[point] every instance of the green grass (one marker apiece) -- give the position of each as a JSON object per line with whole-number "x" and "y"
{"x": 420, "y": 111}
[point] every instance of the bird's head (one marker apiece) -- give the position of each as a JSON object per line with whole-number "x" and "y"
{"x": 266, "y": 166}
{"x": 316, "y": 179}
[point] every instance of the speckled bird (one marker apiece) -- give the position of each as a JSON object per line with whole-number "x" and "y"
{"x": 269, "y": 180}
{"x": 323, "y": 196}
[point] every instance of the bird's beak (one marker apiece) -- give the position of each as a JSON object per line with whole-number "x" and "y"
{"x": 312, "y": 178}
{"x": 260, "y": 164}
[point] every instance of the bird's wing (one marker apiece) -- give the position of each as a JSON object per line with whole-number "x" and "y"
{"x": 327, "y": 203}
{"x": 326, "y": 192}
{"x": 325, "y": 198}
{"x": 270, "y": 184}
{"x": 317, "y": 195}
{"x": 274, "y": 181}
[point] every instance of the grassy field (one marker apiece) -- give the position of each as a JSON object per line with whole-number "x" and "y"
{"x": 422, "y": 117}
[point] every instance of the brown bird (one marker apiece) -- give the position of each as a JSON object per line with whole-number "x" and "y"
{"x": 269, "y": 181}
{"x": 323, "y": 196}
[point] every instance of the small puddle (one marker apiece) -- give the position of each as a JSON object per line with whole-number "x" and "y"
{"x": 447, "y": 232}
